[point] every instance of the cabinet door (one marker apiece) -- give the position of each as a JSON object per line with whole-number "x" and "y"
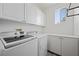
{"x": 69, "y": 47}
{"x": 0, "y": 9}
{"x": 26, "y": 49}
{"x": 43, "y": 46}
{"x": 54, "y": 44}
{"x": 13, "y": 11}
{"x": 41, "y": 16}
{"x": 33, "y": 14}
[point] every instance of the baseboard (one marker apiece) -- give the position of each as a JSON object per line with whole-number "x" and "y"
{"x": 53, "y": 53}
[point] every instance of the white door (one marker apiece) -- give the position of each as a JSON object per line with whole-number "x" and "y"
{"x": 43, "y": 46}
{"x": 54, "y": 44}
{"x": 69, "y": 47}
{"x": 0, "y": 9}
{"x": 14, "y": 11}
{"x": 26, "y": 49}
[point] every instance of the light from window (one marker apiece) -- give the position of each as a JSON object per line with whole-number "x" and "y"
{"x": 60, "y": 14}
{"x": 57, "y": 16}
{"x": 63, "y": 14}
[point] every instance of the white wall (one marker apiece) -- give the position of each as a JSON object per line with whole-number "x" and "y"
{"x": 76, "y": 25}
{"x": 6, "y": 25}
{"x": 65, "y": 27}
{"x": 76, "y": 19}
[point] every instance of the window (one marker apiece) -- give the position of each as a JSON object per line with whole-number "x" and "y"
{"x": 57, "y": 16}
{"x": 63, "y": 14}
{"x": 60, "y": 14}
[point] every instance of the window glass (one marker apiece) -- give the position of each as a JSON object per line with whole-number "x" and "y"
{"x": 60, "y": 14}
{"x": 63, "y": 14}
{"x": 57, "y": 16}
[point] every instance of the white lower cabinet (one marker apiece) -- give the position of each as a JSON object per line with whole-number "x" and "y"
{"x": 43, "y": 46}
{"x": 54, "y": 44}
{"x": 65, "y": 46}
{"x": 69, "y": 47}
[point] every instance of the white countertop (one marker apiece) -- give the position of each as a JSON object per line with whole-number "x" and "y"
{"x": 40, "y": 35}
{"x": 65, "y": 35}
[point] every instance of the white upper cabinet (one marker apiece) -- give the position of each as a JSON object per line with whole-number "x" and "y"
{"x": 13, "y": 11}
{"x": 26, "y": 13}
{"x": 30, "y": 13}
{"x": 33, "y": 14}
{"x": 41, "y": 18}
{"x": 0, "y": 9}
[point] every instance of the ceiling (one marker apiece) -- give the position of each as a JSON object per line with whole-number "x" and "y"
{"x": 44, "y": 6}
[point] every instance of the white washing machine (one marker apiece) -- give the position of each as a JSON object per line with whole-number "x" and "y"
{"x": 22, "y": 47}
